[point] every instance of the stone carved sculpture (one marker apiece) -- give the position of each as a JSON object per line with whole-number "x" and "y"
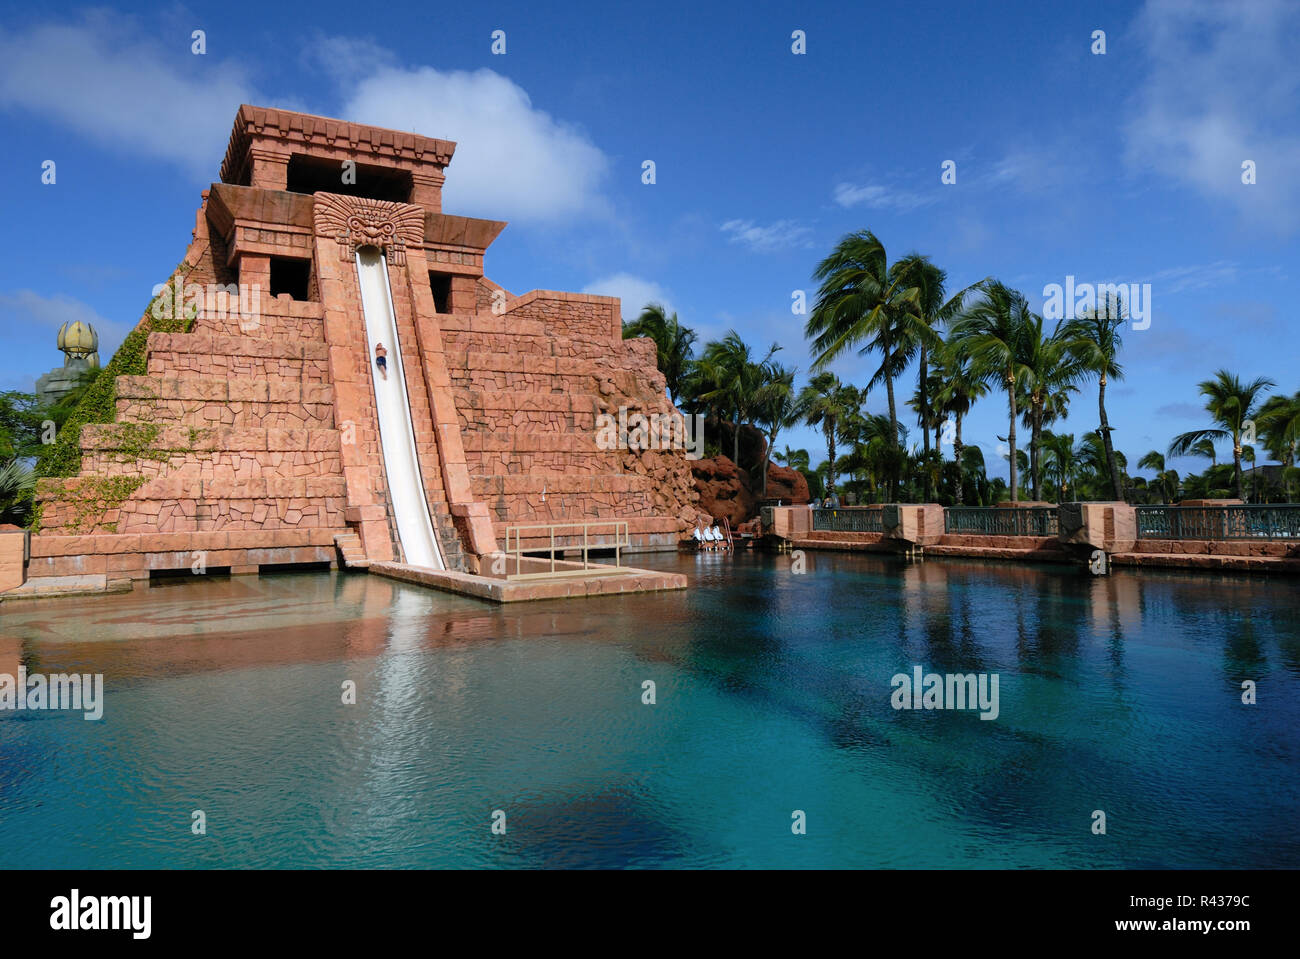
{"x": 355, "y": 222}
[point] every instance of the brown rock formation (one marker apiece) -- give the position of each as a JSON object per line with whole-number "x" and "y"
{"x": 725, "y": 490}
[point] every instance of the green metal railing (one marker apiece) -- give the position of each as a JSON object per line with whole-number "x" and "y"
{"x": 850, "y": 519}
{"x": 1277, "y": 522}
{"x": 1009, "y": 521}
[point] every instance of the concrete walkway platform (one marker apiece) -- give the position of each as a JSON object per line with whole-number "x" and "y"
{"x": 595, "y": 581}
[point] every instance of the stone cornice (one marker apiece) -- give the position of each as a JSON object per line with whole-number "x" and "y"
{"x": 280, "y": 131}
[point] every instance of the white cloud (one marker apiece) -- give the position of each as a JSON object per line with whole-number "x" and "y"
{"x": 99, "y": 78}
{"x": 634, "y": 291}
{"x": 780, "y": 235}
{"x": 110, "y": 81}
{"x": 1221, "y": 90}
{"x": 512, "y": 159}
{"x": 878, "y": 197}
{"x": 1178, "y": 279}
{"x": 345, "y": 59}
{"x": 29, "y": 316}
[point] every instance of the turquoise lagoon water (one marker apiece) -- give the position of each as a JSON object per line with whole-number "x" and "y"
{"x": 773, "y": 694}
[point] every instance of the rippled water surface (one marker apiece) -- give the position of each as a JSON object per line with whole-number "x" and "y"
{"x": 773, "y": 695}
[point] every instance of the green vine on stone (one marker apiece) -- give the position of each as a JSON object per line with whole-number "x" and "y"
{"x": 99, "y": 403}
{"x": 91, "y": 498}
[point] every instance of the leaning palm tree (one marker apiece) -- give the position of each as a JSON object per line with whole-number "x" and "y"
{"x": 990, "y": 333}
{"x": 865, "y": 302}
{"x": 674, "y": 344}
{"x": 828, "y": 403}
{"x": 1095, "y": 342}
{"x": 1231, "y": 404}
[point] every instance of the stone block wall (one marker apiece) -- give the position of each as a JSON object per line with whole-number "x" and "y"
{"x": 530, "y": 385}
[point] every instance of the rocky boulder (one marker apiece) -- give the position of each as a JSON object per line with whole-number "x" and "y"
{"x": 726, "y": 490}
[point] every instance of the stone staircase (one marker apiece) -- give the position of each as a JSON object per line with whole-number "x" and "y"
{"x": 351, "y": 555}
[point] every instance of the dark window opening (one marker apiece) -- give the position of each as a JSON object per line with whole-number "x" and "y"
{"x": 288, "y": 568}
{"x": 186, "y": 574}
{"x": 309, "y": 174}
{"x": 290, "y": 276}
{"x": 441, "y": 285}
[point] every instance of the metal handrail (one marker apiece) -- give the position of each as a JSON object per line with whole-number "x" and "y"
{"x": 621, "y": 535}
{"x": 1278, "y": 521}
{"x": 849, "y": 519}
{"x": 1002, "y": 521}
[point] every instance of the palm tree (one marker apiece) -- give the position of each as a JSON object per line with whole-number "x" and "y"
{"x": 828, "y": 403}
{"x": 778, "y": 407}
{"x": 864, "y": 301}
{"x": 1058, "y": 452}
{"x": 972, "y": 465}
{"x": 794, "y": 459}
{"x": 990, "y": 334}
{"x": 1212, "y": 484}
{"x": 1248, "y": 456}
{"x": 874, "y": 443}
{"x": 1094, "y": 463}
{"x": 1095, "y": 343}
{"x": 1230, "y": 403}
{"x": 925, "y": 403}
{"x": 1051, "y": 370}
{"x": 931, "y": 311}
{"x": 1204, "y": 447}
{"x": 17, "y": 482}
{"x": 674, "y": 344}
{"x": 737, "y": 379}
{"x": 1166, "y": 481}
{"x": 960, "y": 389}
{"x": 1279, "y": 427}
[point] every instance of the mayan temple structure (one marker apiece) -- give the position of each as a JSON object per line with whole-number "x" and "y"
{"x": 263, "y": 433}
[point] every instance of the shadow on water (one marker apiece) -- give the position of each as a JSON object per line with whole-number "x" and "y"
{"x": 593, "y": 831}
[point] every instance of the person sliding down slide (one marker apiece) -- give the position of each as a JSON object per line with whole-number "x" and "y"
{"x": 381, "y": 360}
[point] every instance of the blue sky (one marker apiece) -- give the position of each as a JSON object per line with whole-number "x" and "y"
{"x": 1122, "y": 167}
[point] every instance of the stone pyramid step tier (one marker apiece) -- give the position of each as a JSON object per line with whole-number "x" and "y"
{"x": 192, "y": 399}
{"x": 245, "y": 357}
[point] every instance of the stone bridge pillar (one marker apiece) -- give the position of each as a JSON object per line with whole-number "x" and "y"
{"x": 1109, "y": 527}
{"x": 913, "y": 524}
{"x": 13, "y": 557}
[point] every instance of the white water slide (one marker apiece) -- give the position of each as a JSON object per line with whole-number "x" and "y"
{"x": 396, "y": 434}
